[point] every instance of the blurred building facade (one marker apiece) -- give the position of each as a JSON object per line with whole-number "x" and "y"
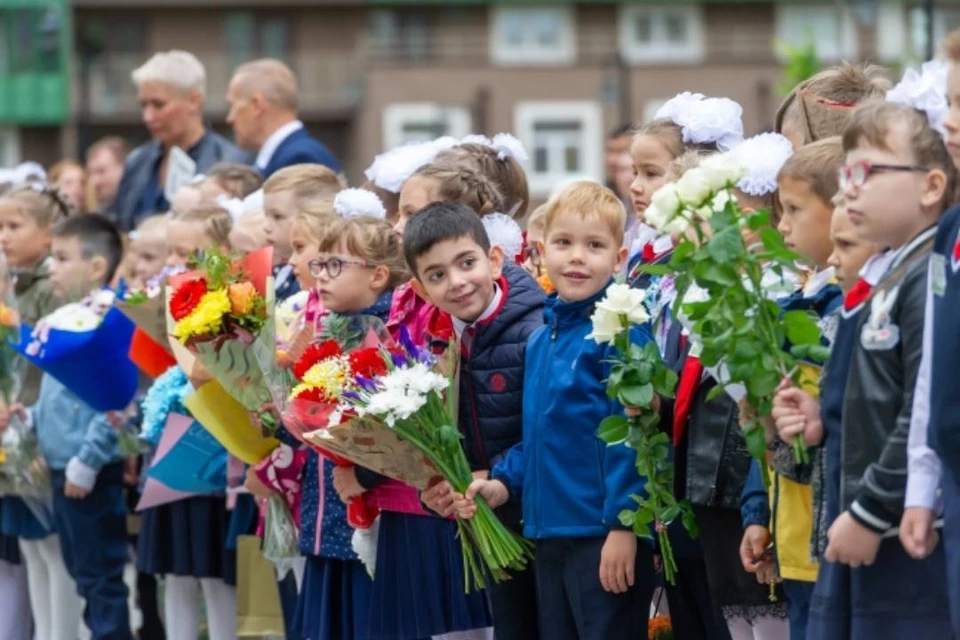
{"x": 374, "y": 75}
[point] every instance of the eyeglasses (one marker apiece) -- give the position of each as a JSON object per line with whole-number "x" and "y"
{"x": 333, "y": 266}
{"x": 532, "y": 253}
{"x": 856, "y": 175}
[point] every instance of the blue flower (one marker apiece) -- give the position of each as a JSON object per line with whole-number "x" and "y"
{"x": 165, "y": 396}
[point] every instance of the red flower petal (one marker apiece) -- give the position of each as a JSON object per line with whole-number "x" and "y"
{"x": 367, "y": 363}
{"x": 314, "y": 354}
{"x": 186, "y": 298}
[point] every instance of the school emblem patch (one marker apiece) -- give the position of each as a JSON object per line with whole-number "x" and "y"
{"x": 879, "y": 333}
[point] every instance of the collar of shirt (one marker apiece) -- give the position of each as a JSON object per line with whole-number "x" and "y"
{"x": 459, "y": 326}
{"x": 876, "y": 267}
{"x": 276, "y": 138}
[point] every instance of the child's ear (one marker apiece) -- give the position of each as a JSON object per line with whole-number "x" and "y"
{"x": 934, "y": 188}
{"x": 381, "y": 276}
{"x": 621, "y": 258}
{"x": 496, "y": 262}
{"x": 98, "y": 269}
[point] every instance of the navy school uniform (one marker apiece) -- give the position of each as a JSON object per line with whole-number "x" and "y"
{"x": 9, "y": 549}
{"x": 896, "y": 597}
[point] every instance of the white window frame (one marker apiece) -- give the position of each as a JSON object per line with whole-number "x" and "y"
{"x": 891, "y": 35}
{"x": 917, "y": 32}
{"x": 590, "y": 115}
{"x": 789, "y": 14}
{"x": 397, "y": 116}
{"x": 503, "y": 53}
{"x": 659, "y": 50}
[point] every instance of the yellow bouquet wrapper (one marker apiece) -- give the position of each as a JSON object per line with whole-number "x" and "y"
{"x": 258, "y": 600}
{"x": 228, "y": 422}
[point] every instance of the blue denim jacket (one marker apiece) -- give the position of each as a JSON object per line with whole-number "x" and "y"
{"x": 73, "y": 436}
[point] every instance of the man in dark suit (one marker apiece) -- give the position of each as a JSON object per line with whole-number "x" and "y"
{"x": 263, "y": 114}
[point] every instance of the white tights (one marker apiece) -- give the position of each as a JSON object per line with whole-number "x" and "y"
{"x": 14, "y": 602}
{"x": 472, "y": 634}
{"x": 57, "y": 607}
{"x": 181, "y": 607}
{"x": 767, "y": 628}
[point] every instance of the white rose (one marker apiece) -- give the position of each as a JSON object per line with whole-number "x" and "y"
{"x": 677, "y": 226}
{"x": 623, "y": 300}
{"x": 606, "y": 326}
{"x": 666, "y": 199}
{"x": 721, "y": 171}
{"x": 693, "y": 187}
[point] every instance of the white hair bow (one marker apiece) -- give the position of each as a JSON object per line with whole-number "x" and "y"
{"x": 705, "y": 120}
{"x": 351, "y": 203}
{"x": 925, "y": 91}
{"x": 233, "y": 206}
{"x": 761, "y": 157}
{"x": 504, "y": 232}
{"x": 392, "y": 168}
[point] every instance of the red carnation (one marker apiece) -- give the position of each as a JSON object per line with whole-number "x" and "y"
{"x": 367, "y": 363}
{"x": 186, "y": 298}
{"x": 314, "y": 354}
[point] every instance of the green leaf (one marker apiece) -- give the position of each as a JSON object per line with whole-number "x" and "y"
{"x": 671, "y": 514}
{"x": 819, "y": 353}
{"x": 613, "y": 429}
{"x": 759, "y": 219}
{"x": 763, "y": 383}
{"x": 756, "y": 443}
{"x": 643, "y": 516}
{"x": 637, "y": 396}
{"x": 656, "y": 269}
{"x": 726, "y": 245}
{"x": 773, "y": 241}
{"x": 800, "y": 351}
{"x": 627, "y": 517}
{"x": 682, "y": 251}
{"x": 689, "y": 521}
{"x": 715, "y": 393}
{"x": 801, "y": 327}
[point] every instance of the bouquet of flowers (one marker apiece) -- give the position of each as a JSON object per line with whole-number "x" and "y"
{"x": 637, "y": 374}
{"x": 727, "y": 258}
{"x": 397, "y": 416}
{"x": 85, "y": 346}
{"x": 149, "y": 347}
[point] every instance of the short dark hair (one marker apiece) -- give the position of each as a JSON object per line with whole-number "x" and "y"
{"x": 438, "y": 222}
{"x": 625, "y": 129}
{"x": 98, "y": 236}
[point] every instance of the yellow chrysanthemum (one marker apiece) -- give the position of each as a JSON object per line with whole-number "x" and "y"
{"x": 330, "y": 376}
{"x": 206, "y": 319}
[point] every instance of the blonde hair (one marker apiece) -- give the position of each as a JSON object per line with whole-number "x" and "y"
{"x": 465, "y": 186}
{"x": 178, "y": 69}
{"x": 537, "y": 218}
{"x": 670, "y": 135}
{"x": 681, "y": 164}
{"x": 585, "y": 198}
{"x": 314, "y": 217}
{"x": 821, "y": 106}
{"x": 247, "y": 233}
{"x": 370, "y": 239}
{"x": 874, "y": 123}
{"x": 238, "y": 180}
{"x": 270, "y": 78}
{"x": 41, "y": 202}
{"x": 507, "y": 175}
{"x": 216, "y": 221}
{"x": 817, "y": 164}
{"x": 151, "y": 224}
{"x": 305, "y": 182}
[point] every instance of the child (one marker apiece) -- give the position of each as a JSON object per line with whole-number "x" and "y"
{"x": 231, "y": 180}
{"x": 806, "y": 185}
{"x": 148, "y": 249}
{"x": 821, "y": 106}
{"x": 897, "y": 181}
{"x": 850, "y": 252}
{"x": 27, "y": 216}
{"x": 500, "y": 160}
{"x": 80, "y": 445}
{"x": 495, "y": 306}
{"x": 594, "y": 580}
{"x": 533, "y": 252}
{"x": 359, "y": 264}
{"x": 186, "y": 541}
{"x": 437, "y": 183}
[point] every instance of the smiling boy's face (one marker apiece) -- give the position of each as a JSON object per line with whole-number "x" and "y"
{"x": 458, "y": 276}
{"x": 581, "y": 255}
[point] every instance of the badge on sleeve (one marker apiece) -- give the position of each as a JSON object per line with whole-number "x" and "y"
{"x": 938, "y": 274}
{"x": 879, "y": 333}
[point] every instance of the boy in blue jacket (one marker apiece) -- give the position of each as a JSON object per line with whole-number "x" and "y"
{"x": 594, "y": 580}
{"x": 81, "y": 448}
{"x": 494, "y": 308}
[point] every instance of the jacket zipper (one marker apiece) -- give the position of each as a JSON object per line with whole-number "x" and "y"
{"x": 536, "y": 433}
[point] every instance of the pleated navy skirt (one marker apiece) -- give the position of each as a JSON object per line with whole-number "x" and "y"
{"x": 243, "y": 519}
{"x": 187, "y": 538}
{"x": 9, "y": 549}
{"x": 334, "y": 602}
{"x": 18, "y": 521}
{"x": 418, "y": 588}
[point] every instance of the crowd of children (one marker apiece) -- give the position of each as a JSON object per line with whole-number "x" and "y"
{"x": 860, "y": 541}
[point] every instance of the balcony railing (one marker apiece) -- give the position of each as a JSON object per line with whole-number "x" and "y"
{"x": 327, "y": 82}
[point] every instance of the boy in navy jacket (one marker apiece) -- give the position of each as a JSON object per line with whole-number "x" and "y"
{"x": 494, "y": 308}
{"x": 594, "y": 580}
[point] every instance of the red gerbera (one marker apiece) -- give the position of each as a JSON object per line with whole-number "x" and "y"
{"x": 186, "y": 298}
{"x": 314, "y": 354}
{"x": 313, "y": 394}
{"x": 367, "y": 362}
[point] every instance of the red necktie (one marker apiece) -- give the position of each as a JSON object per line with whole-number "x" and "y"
{"x": 648, "y": 254}
{"x": 956, "y": 250}
{"x": 857, "y": 294}
{"x": 687, "y": 388}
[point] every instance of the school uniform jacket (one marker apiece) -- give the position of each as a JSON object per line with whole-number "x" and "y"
{"x": 878, "y": 399}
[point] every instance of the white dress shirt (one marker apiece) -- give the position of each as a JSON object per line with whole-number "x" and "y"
{"x": 265, "y": 155}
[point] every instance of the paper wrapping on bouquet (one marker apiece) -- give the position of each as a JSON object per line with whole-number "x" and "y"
{"x": 259, "y": 612}
{"x": 377, "y": 448}
{"x": 228, "y": 422}
{"x": 94, "y": 365}
{"x": 149, "y": 355}
{"x": 150, "y": 316}
{"x": 188, "y": 461}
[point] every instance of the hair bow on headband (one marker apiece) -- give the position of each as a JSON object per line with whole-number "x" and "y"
{"x": 504, "y": 232}
{"x": 505, "y": 144}
{"x": 925, "y": 91}
{"x": 351, "y": 203}
{"x": 761, "y": 158}
{"x": 233, "y": 206}
{"x": 392, "y": 168}
{"x": 705, "y": 120}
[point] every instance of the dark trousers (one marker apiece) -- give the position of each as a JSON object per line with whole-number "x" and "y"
{"x": 798, "y": 605}
{"x": 288, "y": 604}
{"x": 93, "y": 540}
{"x": 951, "y": 542}
{"x": 514, "y": 601}
{"x": 573, "y": 604}
{"x": 692, "y": 614}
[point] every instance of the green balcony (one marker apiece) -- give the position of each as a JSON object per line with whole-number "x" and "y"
{"x": 34, "y": 83}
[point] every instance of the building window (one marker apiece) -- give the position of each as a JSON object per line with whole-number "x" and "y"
{"x": 9, "y": 147}
{"x": 423, "y": 121}
{"x": 653, "y": 34}
{"x": 944, "y": 21}
{"x": 830, "y": 28}
{"x": 532, "y": 35}
{"x": 564, "y": 140}
{"x": 248, "y": 37}
{"x": 891, "y": 33}
{"x": 399, "y": 35}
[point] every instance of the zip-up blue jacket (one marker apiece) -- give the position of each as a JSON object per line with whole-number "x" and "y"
{"x": 573, "y": 485}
